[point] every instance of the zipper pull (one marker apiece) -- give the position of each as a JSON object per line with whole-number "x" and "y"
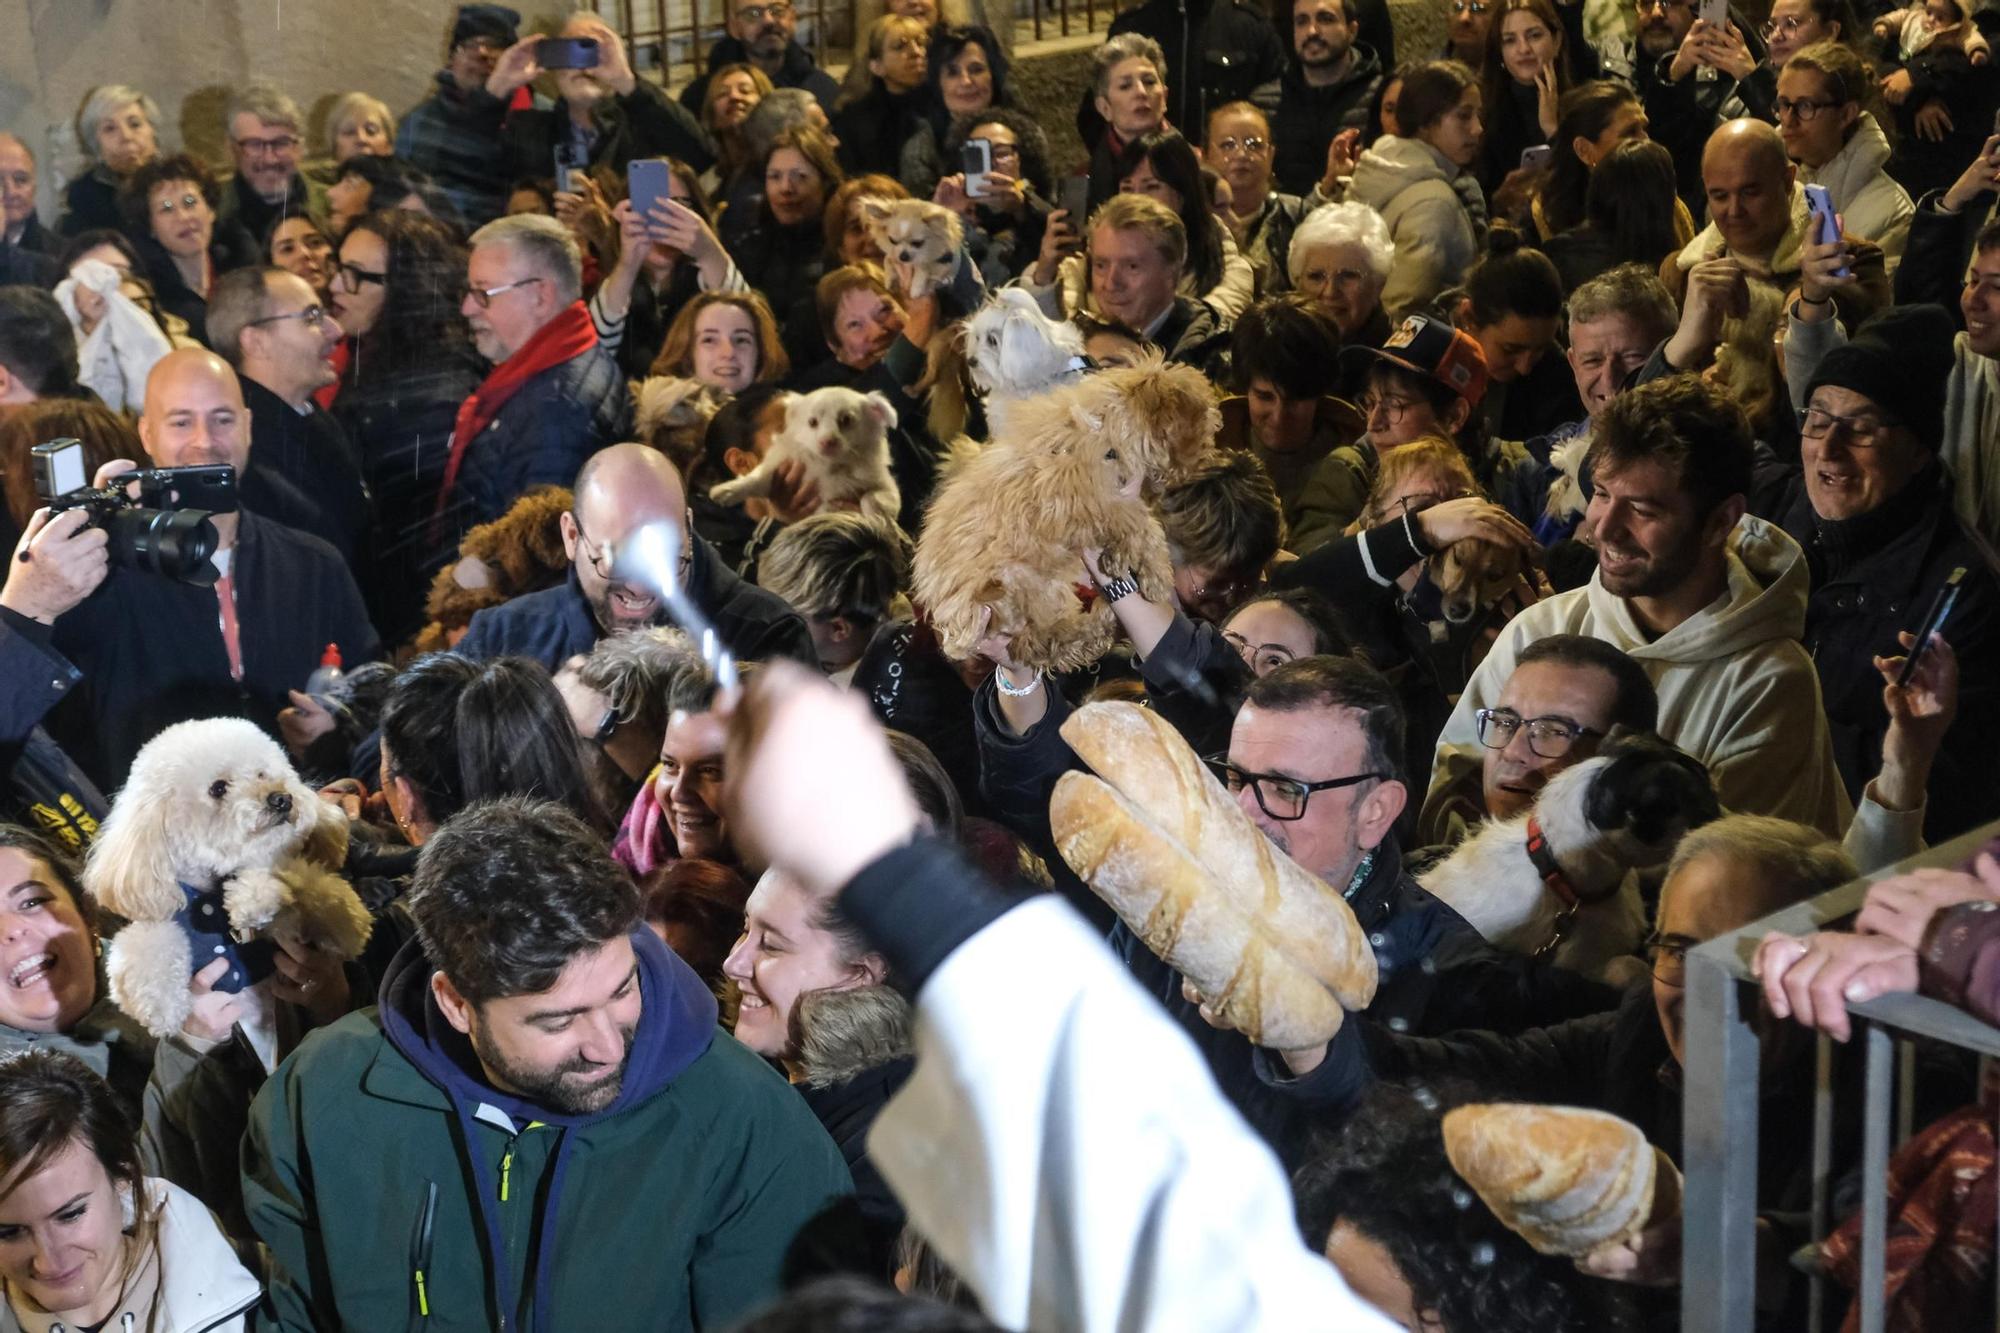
{"x": 506, "y": 1167}
{"x": 423, "y": 1296}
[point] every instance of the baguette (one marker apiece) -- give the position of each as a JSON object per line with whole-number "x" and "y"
{"x": 1142, "y": 756}
{"x": 1566, "y": 1179}
{"x": 1170, "y": 901}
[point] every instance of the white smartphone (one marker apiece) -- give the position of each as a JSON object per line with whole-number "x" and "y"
{"x": 976, "y": 159}
{"x": 1536, "y": 156}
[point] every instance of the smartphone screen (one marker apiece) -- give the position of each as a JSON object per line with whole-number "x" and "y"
{"x": 648, "y": 184}
{"x": 1941, "y": 605}
{"x": 976, "y": 161}
{"x": 1074, "y": 198}
{"x": 566, "y": 53}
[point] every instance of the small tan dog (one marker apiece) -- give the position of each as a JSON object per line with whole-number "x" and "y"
{"x": 213, "y": 848}
{"x": 672, "y": 415}
{"x": 920, "y": 243}
{"x": 1078, "y": 467}
{"x": 1473, "y": 575}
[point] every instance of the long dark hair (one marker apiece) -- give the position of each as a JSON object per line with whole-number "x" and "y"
{"x": 1631, "y": 201}
{"x": 419, "y": 325}
{"x": 947, "y": 46}
{"x": 1584, "y": 112}
{"x": 461, "y": 732}
{"x": 1497, "y": 78}
{"x": 1173, "y": 160}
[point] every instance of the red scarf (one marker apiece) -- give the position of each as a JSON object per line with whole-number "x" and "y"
{"x": 564, "y": 338}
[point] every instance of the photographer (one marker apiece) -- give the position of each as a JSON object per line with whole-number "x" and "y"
{"x": 58, "y": 562}
{"x": 155, "y": 650}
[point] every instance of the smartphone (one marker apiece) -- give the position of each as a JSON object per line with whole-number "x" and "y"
{"x": 1826, "y": 226}
{"x": 566, "y": 53}
{"x": 1941, "y": 605}
{"x": 649, "y": 186}
{"x": 1536, "y": 156}
{"x": 59, "y": 468}
{"x": 1715, "y": 13}
{"x": 976, "y": 160}
{"x": 1073, "y": 197}
{"x": 568, "y": 162}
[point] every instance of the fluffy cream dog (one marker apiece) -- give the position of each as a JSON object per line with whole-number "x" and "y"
{"x": 1013, "y": 351}
{"x": 920, "y": 243}
{"x": 842, "y": 437}
{"x": 213, "y": 848}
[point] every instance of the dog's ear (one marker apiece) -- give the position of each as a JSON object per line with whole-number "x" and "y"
{"x": 875, "y": 210}
{"x": 877, "y": 406}
{"x": 128, "y": 870}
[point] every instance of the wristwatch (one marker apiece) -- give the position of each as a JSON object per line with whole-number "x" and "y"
{"x": 1117, "y": 589}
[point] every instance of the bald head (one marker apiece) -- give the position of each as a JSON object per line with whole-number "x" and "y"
{"x": 17, "y": 183}
{"x": 619, "y": 491}
{"x": 194, "y": 412}
{"x": 1748, "y": 181}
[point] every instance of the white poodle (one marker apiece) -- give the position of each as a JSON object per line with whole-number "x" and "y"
{"x": 1566, "y": 886}
{"x": 212, "y": 847}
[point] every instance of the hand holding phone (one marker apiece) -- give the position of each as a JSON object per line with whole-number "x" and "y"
{"x": 566, "y": 53}
{"x": 1941, "y": 605}
{"x": 1536, "y": 156}
{"x": 977, "y": 162}
{"x": 1826, "y": 223}
{"x": 1073, "y": 197}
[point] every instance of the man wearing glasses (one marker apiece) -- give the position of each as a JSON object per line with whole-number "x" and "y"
{"x": 1872, "y": 505}
{"x": 454, "y": 134}
{"x": 265, "y": 129}
{"x": 553, "y": 398}
{"x": 1709, "y": 602}
{"x": 759, "y": 32}
{"x": 302, "y": 469}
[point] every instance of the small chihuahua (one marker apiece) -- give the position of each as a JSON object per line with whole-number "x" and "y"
{"x": 842, "y": 437}
{"x": 920, "y": 243}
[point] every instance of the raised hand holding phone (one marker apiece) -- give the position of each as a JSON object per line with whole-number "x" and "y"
{"x": 1826, "y": 223}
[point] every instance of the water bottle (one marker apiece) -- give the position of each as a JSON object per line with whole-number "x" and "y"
{"x": 326, "y": 677}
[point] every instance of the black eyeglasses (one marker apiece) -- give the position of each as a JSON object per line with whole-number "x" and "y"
{"x": 312, "y": 317}
{"x": 1863, "y": 432}
{"x": 357, "y": 276}
{"x": 1548, "y": 737}
{"x": 1278, "y": 796}
{"x": 1666, "y": 956}
{"x": 1805, "y": 108}
{"x": 484, "y": 295}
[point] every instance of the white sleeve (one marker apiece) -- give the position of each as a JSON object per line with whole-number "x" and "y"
{"x": 1063, "y": 1148}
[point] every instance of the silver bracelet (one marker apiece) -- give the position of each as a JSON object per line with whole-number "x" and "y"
{"x": 1016, "y": 691}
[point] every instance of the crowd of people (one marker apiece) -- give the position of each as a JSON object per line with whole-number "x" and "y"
{"x": 1608, "y": 383}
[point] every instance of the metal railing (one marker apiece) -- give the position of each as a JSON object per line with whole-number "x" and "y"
{"x": 1718, "y": 1259}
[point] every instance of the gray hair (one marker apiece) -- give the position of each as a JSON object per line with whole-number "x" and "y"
{"x": 779, "y": 110}
{"x": 1631, "y": 290}
{"x": 838, "y": 564}
{"x": 645, "y": 674}
{"x": 1349, "y": 223}
{"x": 264, "y": 100}
{"x": 544, "y": 243}
{"x": 1125, "y": 46}
{"x": 1794, "y": 862}
{"x": 21, "y": 144}
{"x": 105, "y": 100}
{"x": 240, "y": 297}
{"x": 354, "y": 106}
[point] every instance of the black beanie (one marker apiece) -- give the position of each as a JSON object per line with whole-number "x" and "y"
{"x": 495, "y": 21}
{"x": 1899, "y": 360}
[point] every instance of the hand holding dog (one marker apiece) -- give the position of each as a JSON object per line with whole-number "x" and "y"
{"x": 214, "y": 1012}
{"x": 310, "y": 978}
{"x": 59, "y": 562}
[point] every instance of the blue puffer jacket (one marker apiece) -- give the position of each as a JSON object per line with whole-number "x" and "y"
{"x": 541, "y": 436}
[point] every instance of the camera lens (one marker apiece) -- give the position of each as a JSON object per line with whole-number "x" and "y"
{"x": 176, "y": 543}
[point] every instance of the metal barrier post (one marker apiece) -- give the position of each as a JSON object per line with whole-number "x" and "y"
{"x": 1719, "y": 1257}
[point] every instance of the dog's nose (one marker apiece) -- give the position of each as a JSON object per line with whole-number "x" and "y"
{"x": 278, "y": 803}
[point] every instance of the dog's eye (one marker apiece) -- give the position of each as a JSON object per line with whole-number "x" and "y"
{"x": 992, "y": 340}
{"x": 218, "y": 789}
{"x": 847, "y": 421}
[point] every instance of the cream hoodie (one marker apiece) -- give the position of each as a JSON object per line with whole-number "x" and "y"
{"x": 1410, "y": 184}
{"x": 1736, "y": 689}
{"x": 1869, "y": 202}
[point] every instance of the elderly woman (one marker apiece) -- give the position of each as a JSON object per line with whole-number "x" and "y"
{"x": 92, "y": 1241}
{"x": 169, "y": 206}
{"x": 1341, "y": 256}
{"x": 886, "y": 101}
{"x": 118, "y": 129}
{"x": 1130, "y": 91}
{"x": 360, "y": 125}
{"x": 967, "y": 78}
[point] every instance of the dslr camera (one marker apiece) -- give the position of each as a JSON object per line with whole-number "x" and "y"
{"x": 165, "y": 531}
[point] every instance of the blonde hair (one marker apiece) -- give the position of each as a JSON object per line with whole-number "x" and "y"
{"x": 1143, "y": 213}
{"x": 860, "y": 79}
{"x": 353, "y": 107}
{"x": 1432, "y": 454}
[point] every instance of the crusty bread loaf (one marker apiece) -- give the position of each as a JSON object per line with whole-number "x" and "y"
{"x": 1566, "y": 1179}
{"x": 1171, "y": 901}
{"x": 1141, "y": 755}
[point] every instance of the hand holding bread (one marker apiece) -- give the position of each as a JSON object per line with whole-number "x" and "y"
{"x": 1276, "y": 952}
{"x": 1566, "y": 1179}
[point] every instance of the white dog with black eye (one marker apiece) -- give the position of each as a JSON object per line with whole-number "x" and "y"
{"x": 214, "y": 849}
{"x": 1014, "y": 351}
{"x": 842, "y": 438}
